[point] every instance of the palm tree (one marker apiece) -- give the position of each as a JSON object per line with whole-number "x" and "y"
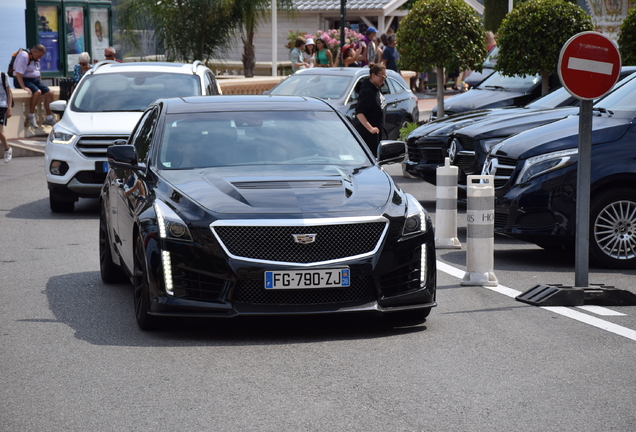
{"x": 250, "y": 14}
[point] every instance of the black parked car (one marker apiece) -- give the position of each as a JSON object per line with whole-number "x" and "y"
{"x": 340, "y": 87}
{"x": 497, "y": 91}
{"x": 253, "y": 205}
{"x": 467, "y": 138}
{"x": 536, "y": 196}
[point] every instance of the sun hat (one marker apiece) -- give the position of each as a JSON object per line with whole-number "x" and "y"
{"x": 310, "y": 41}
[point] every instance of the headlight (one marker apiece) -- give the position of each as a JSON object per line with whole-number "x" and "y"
{"x": 415, "y": 222}
{"x": 545, "y": 163}
{"x": 171, "y": 226}
{"x": 60, "y": 136}
{"x": 488, "y": 144}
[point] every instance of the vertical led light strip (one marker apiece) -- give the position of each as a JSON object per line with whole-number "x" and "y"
{"x": 423, "y": 266}
{"x": 165, "y": 255}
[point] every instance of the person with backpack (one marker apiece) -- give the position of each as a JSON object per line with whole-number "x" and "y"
{"x": 6, "y": 101}
{"x": 26, "y": 73}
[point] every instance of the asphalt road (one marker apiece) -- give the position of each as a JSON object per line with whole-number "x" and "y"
{"x": 73, "y": 358}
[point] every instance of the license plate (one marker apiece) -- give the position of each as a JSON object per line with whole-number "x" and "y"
{"x": 302, "y": 279}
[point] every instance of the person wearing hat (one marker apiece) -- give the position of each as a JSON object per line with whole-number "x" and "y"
{"x": 372, "y": 48}
{"x": 352, "y": 57}
{"x": 309, "y": 55}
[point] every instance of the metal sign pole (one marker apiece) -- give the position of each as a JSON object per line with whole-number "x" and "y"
{"x": 343, "y": 17}
{"x": 583, "y": 176}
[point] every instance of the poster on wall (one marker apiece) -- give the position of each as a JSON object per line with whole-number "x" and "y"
{"x": 99, "y": 33}
{"x": 48, "y": 35}
{"x": 74, "y": 35}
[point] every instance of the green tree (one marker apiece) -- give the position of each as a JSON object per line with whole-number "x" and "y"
{"x": 627, "y": 38}
{"x": 187, "y": 29}
{"x": 250, "y": 14}
{"x": 441, "y": 34}
{"x": 531, "y": 36}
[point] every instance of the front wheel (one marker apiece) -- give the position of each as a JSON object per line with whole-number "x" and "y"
{"x": 141, "y": 290}
{"x": 58, "y": 206}
{"x": 613, "y": 229}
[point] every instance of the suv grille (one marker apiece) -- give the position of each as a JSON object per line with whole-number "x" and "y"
{"x": 253, "y": 291}
{"x": 276, "y": 243}
{"x": 94, "y": 147}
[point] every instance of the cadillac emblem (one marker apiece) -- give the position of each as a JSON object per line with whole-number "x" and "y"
{"x": 304, "y": 238}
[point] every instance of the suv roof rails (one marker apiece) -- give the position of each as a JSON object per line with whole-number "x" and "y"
{"x": 195, "y": 64}
{"x": 100, "y": 64}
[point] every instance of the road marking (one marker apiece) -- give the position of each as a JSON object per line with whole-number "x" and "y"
{"x": 561, "y": 310}
{"x": 590, "y": 66}
{"x": 600, "y": 310}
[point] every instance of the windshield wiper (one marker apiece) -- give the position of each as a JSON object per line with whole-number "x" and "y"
{"x": 125, "y": 110}
{"x": 497, "y": 87}
{"x": 603, "y": 110}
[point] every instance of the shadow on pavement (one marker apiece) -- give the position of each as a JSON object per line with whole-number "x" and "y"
{"x": 103, "y": 315}
{"x": 84, "y": 209}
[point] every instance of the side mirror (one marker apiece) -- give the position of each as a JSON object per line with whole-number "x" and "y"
{"x": 123, "y": 156}
{"x": 391, "y": 151}
{"x": 58, "y": 107}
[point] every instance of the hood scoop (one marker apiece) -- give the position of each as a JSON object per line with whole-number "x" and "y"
{"x": 291, "y": 184}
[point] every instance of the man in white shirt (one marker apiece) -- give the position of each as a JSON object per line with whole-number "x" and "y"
{"x": 26, "y": 71}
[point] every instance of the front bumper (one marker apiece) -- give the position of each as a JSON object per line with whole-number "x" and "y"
{"x": 207, "y": 283}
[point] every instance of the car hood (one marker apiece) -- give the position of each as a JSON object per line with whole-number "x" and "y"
{"x": 480, "y": 98}
{"x": 560, "y": 135}
{"x": 100, "y": 123}
{"x": 510, "y": 125}
{"x": 447, "y": 125}
{"x": 289, "y": 189}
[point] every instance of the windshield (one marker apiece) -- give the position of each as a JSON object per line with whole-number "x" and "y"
{"x": 491, "y": 58}
{"x": 201, "y": 140}
{"x": 514, "y": 83}
{"x": 321, "y": 86}
{"x": 557, "y": 98}
{"x": 131, "y": 91}
{"x": 622, "y": 101}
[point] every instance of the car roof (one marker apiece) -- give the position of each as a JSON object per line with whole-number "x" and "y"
{"x": 244, "y": 103}
{"x": 115, "y": 67}
{"x": 347, "y": 71}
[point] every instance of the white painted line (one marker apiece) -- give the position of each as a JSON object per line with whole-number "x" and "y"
{"x": 600, "y": 310}
{"x": 593, "y": 321}
{"x": 590, "y": 66}
{"x": 561, "y": 310}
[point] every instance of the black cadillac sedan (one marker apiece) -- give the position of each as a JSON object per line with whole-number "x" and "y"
{"x": 537, "y": 189}
{"x": 253, "y": 205}
{"x": 340, "y": 87}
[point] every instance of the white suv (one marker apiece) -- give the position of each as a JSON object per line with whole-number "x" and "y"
{"x": 105, "y": 107}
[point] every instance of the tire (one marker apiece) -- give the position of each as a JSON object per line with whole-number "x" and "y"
{"x": 58, "y": 206}
{"x": 141, "y": 291}
{"x": 613, "y": 229}
{"x": 108, "y": 270}
{"x": 406, "y": 318}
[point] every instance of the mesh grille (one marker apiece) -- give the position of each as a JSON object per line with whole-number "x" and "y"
{"x": 468, "y": 143}
{"x": 501, "y": 220}
{"x": 253, "y": 292}
{"x": 276, "y": 243}
{"x": 94, "y": 147}
{"x": 192, "y": 285}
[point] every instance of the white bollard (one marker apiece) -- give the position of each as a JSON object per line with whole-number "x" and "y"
{"x": 480, "y": 224}
{"x": 446, "y": 207}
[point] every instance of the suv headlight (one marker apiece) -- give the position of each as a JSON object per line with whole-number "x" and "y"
{"x": 61, "y": 136}
{"x": 545, "y": 163}
{"x": 171, "y": 226}
{"x": 415, "y": 222}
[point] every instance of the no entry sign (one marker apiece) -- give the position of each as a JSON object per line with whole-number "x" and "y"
{"x": 589, "y": 65}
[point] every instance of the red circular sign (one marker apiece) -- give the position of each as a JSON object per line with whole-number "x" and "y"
{"x": 589, "y": 65}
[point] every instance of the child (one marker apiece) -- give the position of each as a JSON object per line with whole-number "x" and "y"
{"x": 6, "y": 100}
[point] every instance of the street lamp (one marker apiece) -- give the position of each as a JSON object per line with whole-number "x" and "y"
{"x": 343, "y": 15}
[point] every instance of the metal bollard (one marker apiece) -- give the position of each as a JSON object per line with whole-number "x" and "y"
{"x": 446, "y": 207}
{"x": 480, "y": 242}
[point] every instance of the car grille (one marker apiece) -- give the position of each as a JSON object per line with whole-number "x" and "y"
{"x": 94, "y": 147}
{"x": 501, "y": 220}
{"x": 253, "y": 292}
{"x": 276, "y": 243}
{"x": 193, "y": 285}
{"x": 429, "y": 152}
{"x": 504, "y": 168}
{"x": 404, "y": 278}
{"x": 468, "y": 143}
{"x": 536, "y": 221}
